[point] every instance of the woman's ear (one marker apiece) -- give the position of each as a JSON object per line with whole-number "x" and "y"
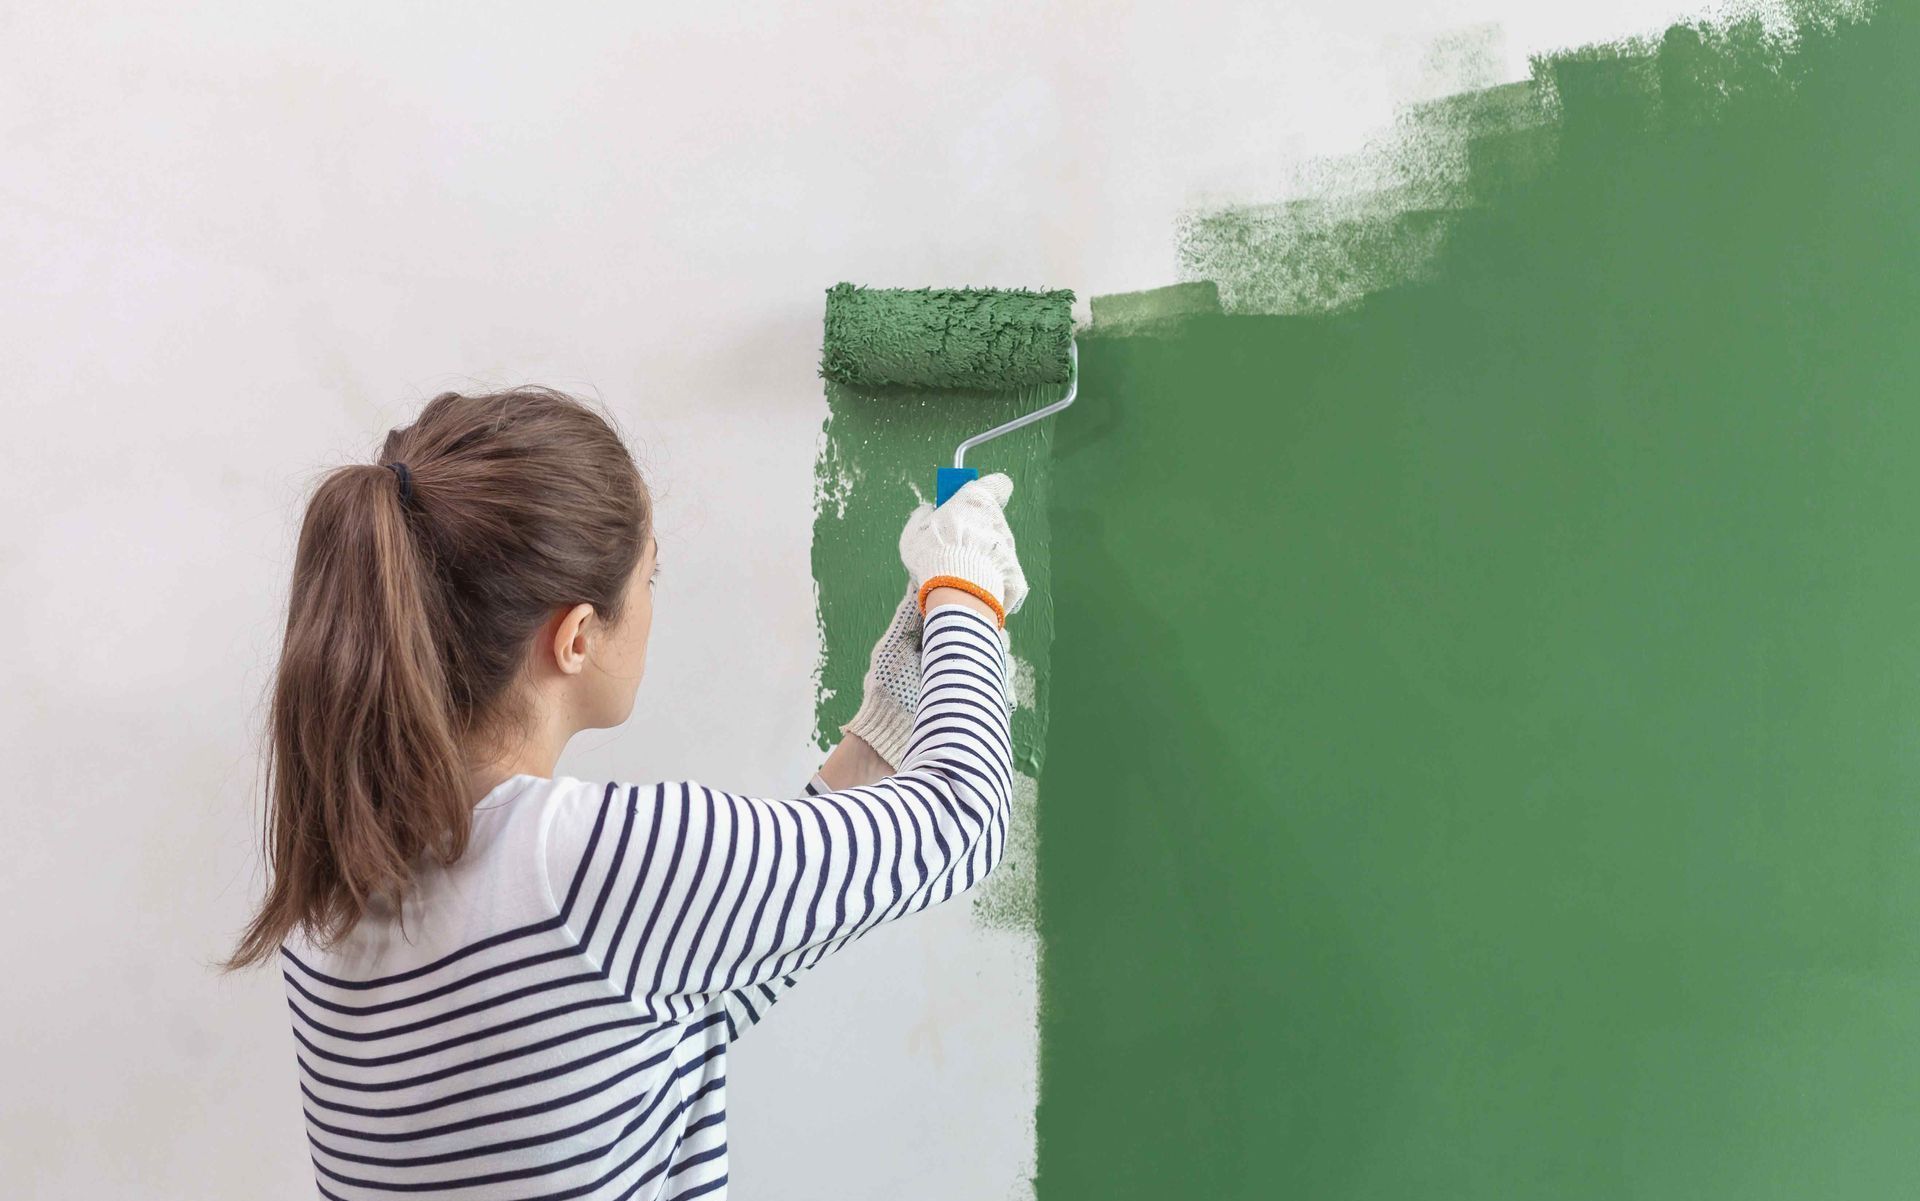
{"x": 570, "y": 639}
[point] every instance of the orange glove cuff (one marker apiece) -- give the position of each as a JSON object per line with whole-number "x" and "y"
{"x": 954, "y": 581}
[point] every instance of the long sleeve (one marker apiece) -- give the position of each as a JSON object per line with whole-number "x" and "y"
{"x": 700, "y": 894}
{"x": 744, "y": 1007}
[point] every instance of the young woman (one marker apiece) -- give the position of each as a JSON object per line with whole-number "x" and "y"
{"x": 507, "y": 983}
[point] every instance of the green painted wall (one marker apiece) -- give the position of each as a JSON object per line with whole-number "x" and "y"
{"x": 879, "y": 453}
{"x": 1484, "y": 745}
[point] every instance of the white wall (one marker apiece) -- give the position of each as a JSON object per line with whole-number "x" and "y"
{"x": 239, "y": 241}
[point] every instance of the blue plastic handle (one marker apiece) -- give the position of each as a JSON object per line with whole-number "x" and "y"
{"x": 951, "y": 478}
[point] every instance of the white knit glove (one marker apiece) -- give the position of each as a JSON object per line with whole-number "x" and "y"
{"x": 967, "y": 537}
{"x": 972, "y": 542}
{"x": 891, "y": 690}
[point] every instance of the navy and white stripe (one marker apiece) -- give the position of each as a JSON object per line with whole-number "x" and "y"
{"x": 549, "y": 1017}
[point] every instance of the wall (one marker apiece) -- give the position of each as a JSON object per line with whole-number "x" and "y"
{"x": 1514, "y": 668}
{"x": 244, "y": 240}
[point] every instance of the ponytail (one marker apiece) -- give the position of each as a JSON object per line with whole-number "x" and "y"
{"x": 413, "y": 603}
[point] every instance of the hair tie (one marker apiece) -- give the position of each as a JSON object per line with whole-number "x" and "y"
{"x": 406, "y": 481}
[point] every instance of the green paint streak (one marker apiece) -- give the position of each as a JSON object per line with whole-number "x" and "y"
{"x": 876, "y": 463}
{"x": 1376, "y": 218}
{"x": 1483, "y": 757}
{"x": 1154, "y": 310}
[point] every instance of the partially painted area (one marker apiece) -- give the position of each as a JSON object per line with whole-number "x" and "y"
{"x": 878, "y": 455}
{"x": 1379, "y": 217}
{"x": 879, "y": 452}
{"x": 1481, "y": 749}
{"x": 1376, "y": 218}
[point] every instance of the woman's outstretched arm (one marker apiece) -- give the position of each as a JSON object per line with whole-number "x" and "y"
{"x": 720, "y": 894}
{"x": 861, "y": 765}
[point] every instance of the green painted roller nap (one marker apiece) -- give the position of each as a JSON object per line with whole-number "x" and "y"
{"x": 1484, "y": 744}
{"x": 947, "y": 337}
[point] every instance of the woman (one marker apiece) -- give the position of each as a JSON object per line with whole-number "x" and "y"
{"x": 511, "y": 984}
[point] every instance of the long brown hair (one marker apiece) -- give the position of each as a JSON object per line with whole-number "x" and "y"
{"x": 415, "y": 599}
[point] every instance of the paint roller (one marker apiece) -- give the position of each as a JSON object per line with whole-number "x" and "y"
{"x": 963, "y": 339}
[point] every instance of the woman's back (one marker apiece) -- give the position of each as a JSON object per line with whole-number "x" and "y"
{"x": 551, "y": 1017}
{"x": 491, "y": 1050}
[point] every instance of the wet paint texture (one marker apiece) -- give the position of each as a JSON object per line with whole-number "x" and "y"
{"x": 877, "y": 460}
{"x": 982, "y": 338}
{"x": 1485, "y": 735}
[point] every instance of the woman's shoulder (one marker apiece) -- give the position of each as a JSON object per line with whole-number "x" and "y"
{"x": 584, "y": 828}
{"x": 587, "y": 831}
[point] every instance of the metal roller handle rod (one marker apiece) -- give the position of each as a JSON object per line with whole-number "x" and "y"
{"x": 1073, "y": 386}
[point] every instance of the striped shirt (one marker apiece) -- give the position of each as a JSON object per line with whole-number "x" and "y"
{"x": 549, "y": 1016}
